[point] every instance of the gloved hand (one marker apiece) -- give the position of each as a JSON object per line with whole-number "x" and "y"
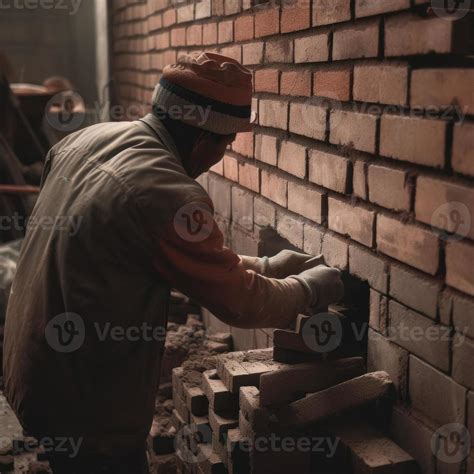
{"x": 324, "y": 284}
{"x": 288, "y": 262}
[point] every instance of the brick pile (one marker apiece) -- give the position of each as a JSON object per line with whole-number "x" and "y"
{"x": 250, "y": 400}
{"x": 364, "y": 152}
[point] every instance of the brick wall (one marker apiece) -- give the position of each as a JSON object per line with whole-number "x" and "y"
{"x": 363, "y": 151}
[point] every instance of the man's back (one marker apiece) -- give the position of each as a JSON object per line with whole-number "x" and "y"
{"x": 87, "y": 312}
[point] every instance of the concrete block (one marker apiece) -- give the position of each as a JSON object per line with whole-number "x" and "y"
{"x": 288, "y": 385}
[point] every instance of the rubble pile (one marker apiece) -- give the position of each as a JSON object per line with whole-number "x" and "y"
{"x": 285, "y": 409}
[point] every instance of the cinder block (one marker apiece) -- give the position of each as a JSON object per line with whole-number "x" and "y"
{"x": 290, "y": 384}
{"x": 345, "y": 396}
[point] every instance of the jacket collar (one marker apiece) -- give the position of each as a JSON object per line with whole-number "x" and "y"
{"x": 157, "y": 126}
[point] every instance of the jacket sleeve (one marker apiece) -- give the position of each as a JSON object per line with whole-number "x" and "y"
{"x": 218, "y": 279}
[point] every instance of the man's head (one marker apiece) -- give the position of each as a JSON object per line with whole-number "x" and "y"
{"x": 204, "y": 101}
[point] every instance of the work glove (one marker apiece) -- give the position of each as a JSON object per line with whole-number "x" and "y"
{"x": 288, "y": 262}
{"x": 324, "y": 285}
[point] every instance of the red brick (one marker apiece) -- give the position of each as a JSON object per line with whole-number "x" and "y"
{"x": 264, "y": 213}
{"x": 308, "y": 120}
{"x": 243, "y": 144}
{"x": 359, "y": 179}
{"x": 274, "y": 188}
{"x": 252, "y": 53}
{"x": 266, "y": 149}
{"x": 194, "y": 35}
{"x": 408, "y": 34}
{"x": 234, "y": 52}
{"x": 169, "y": 17}
{"x": 386, "y": 84}
{"x": 463, "y": 148}
{"x": 267, "y": 22}
{"x": 328, "y": 170}
{"x": 244, "y": 28}
{"x": 335, "y": 84}
{"x": 209, "y": 33}
{"x": 273, "y": 113}
{"x": 429, "y": 88}
{"x": 226, "y": 31}
{"x": 389, "y": 188}
{"x": 267, "y": 80}
{"x": 218, "y": 168}
{"x": 313, "y": 239}
{"x": 459, "y": 258}
{"x": 353, "y": 129}
{"x": 437, "y": 200}
{"x": 356, "y": 41}
{"x": 279, "y": 51}
{"x": 312, "y": 49}
{"x": 305, "y": 201}
{"x": 162, "y": 41}
{"x": 296, "y": 16}
{"x": 231, "y": 168}
{"x": 249, "y": 176}
{"x": 292, "y": 158}
{"x": 368, "y": 267}
{"x": 356, "y": 222}
{"x": 336, "y": 251}
{"x": 185, "y": 13}
{"x": 408, "y": 243}
{"x": 369, "y": 7}
{"x": 232, "y": 6}
{"x": 295, "y": 83}
{"x": 412, "y": 139}
{"x": 178, "y": 36}
{"x": 203, "y": 9}
{"x": 326, "y": 12}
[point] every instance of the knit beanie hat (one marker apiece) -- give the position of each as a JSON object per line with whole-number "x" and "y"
{"x": 208, "y": 91}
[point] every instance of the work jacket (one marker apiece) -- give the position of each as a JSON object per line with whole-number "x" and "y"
{"x": 118, "y": 222}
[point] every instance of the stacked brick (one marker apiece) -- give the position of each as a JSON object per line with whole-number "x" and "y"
{"x": 364, "y": 152}
{"x": 252, "y": 417}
